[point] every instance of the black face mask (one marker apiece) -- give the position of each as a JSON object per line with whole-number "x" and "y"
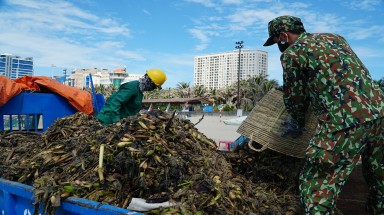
{"x": 146, "y": 84}
{"x": 282, "y": 47}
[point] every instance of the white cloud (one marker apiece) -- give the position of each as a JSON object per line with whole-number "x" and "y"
{"x": 232, "y": 1}
{"x": 365, "y": 52}
{"x": 244, "y": 18}
{"x": 369, "y": 5}
{"x": 60, "y": 33}
{"x": 205, "y": 3}
{"x": 298, "y": 6}
{"x": 202, "y": 37}
{"x": 123, "y": 55}
{"x": 322, "y": 22}
{"x": 265, "y": 1}
{"x": 146, "y": 12}
{"x": 50, "y": 16}
{"x": 361, "y": 33}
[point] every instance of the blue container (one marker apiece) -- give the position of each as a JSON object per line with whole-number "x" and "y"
{"x": 208, "y": 109}
{"x": 37, "y": 111}
{"x": 17, "y": 198}
{"x": 240, "y": 141}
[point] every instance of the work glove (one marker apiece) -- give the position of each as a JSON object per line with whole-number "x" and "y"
{"x": 292, "y": 128}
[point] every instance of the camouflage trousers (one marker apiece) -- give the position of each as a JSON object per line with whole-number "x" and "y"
{"x": 331, "y": 157}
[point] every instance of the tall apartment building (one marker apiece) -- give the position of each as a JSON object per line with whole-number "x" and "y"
{"x": 15, "y": 66}
{"x": 219, "y": 70}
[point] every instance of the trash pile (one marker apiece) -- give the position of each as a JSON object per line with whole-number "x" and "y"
{"x": 154, "y": 156}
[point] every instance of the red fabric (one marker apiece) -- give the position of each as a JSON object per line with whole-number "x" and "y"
{"x": 80, "y": 99}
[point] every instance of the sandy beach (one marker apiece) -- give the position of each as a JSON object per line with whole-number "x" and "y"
{"x": 214, "y": 127}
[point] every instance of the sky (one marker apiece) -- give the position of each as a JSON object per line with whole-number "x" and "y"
{"x": 168, "y": 34}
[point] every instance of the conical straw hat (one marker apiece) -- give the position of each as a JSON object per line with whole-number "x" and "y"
{"x": 263, "y": 126}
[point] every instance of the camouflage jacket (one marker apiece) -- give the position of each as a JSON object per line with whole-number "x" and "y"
{"x": 322, "y": 70}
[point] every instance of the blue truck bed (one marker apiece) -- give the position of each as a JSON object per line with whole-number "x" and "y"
{"x": 17, "y": 198}
{"x": 31, "y": 111}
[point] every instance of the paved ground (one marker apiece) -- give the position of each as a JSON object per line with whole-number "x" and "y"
{"x": 213, "y": 127}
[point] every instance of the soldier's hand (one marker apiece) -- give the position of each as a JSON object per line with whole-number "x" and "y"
{"x": 279, "y": 88}
{"x": 295, "y": 133}
{"x": 292, "y": 128}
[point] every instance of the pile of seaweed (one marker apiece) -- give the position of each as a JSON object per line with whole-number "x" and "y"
{"x": 153, "y": 156}
{"x": 279, "y": 171}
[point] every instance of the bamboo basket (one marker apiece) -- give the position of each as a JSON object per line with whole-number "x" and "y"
{"x": 263, "y": 126}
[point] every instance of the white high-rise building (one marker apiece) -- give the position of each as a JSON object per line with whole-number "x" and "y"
{"x": 219, "y": 70}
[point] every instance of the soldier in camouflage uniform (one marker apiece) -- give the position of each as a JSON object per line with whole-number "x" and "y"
{"x": 322, "y": 72}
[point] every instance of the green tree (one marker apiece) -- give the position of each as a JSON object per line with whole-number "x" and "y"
{"x": 199, "y": 91}
{"x": 228, "y": 93}
{"x": 154, "y": 94}
{"x": 256, "y": 87}
{"x": 184, "y": 89}
{"x": 214, "y": 94}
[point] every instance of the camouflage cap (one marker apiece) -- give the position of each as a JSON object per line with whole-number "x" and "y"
{"x": 282, "y": 23}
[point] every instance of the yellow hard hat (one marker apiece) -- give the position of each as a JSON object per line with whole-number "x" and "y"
{"x": 157, "y": 76}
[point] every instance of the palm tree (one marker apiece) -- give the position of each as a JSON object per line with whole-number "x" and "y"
{"x": 154, "y": 94}
{"x": 100, "y": 89}
{"x": 243, "y": 99}
{"x": 199, "y": 91}
{"x": 251, "y": 91}
{"x": 168, "y": 93}
{"x": 213, "y": 94}
{"x": 110, "y": 90}
{"x": 228, "y": 94}
{"x": 257, "y": 86}
{"x": 184, "y": 89}
{"x": 269, "y": 84}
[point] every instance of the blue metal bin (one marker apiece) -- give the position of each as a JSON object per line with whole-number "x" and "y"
{"x": 37, "y": 111}
{"x": 17, "y": 198}
{"x": 208, "y": 109}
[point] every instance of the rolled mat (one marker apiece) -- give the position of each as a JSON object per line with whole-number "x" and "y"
{"x": 263, "y": 126}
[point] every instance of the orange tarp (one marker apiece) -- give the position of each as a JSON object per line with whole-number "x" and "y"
{"x": 80, "y": 99}
{"x": 8, "y": 89}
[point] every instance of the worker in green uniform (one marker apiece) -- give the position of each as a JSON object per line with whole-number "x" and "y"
{"x": 128, "y": 99}
{"x": 321, "y": 71}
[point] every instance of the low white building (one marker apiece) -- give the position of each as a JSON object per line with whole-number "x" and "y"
{"x": 80, "y": 77}
{"x": 133, "y": 77}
